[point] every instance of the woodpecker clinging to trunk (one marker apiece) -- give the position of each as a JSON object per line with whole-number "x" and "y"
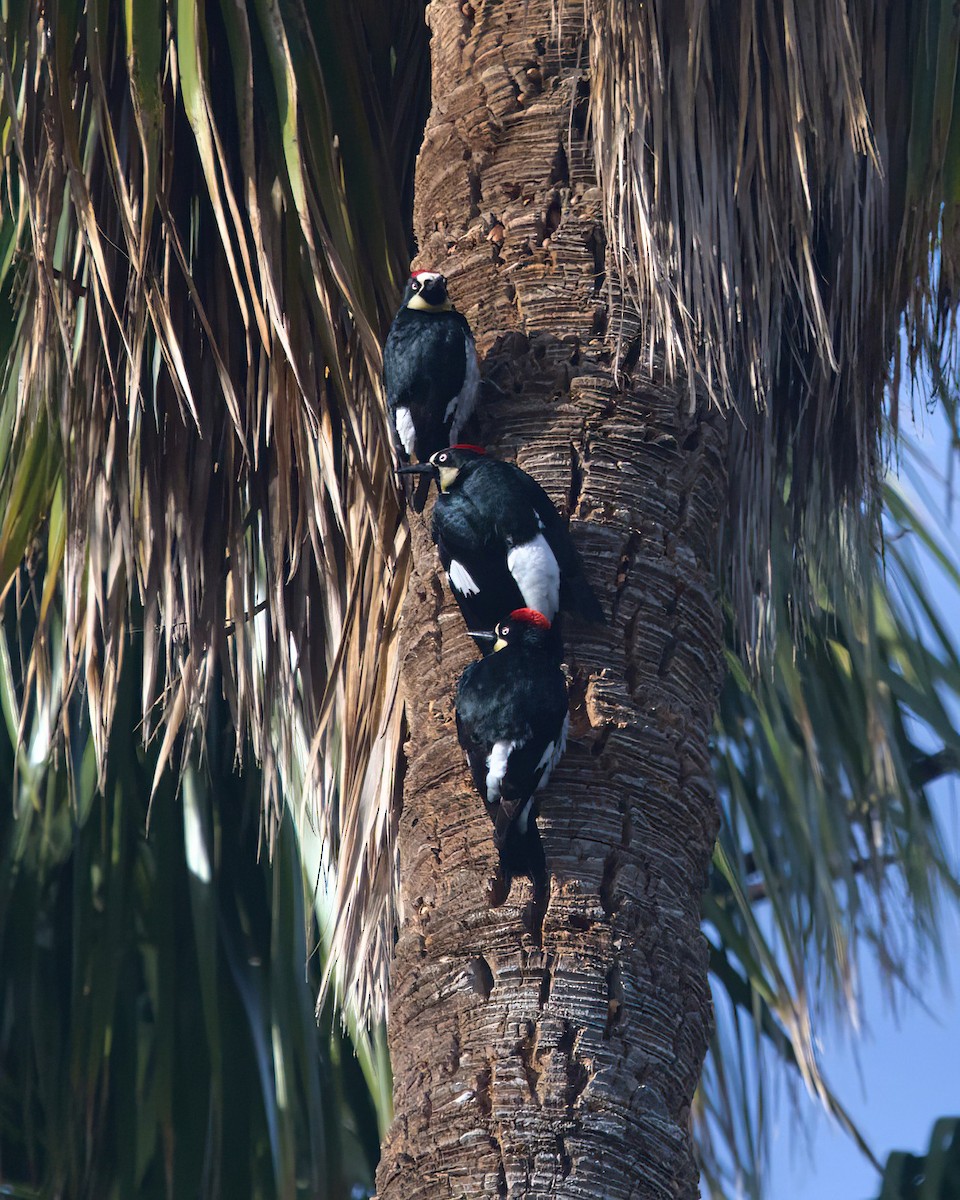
{"x": 502, "y": 542}
{"x": 512, "y": 718}
{"x": 430, "y": 370}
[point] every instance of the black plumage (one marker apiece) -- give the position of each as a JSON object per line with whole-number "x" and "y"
{"x": 512, "y": 718}
{"x": 430, "y": 369}
{"x": 502, "y": 542}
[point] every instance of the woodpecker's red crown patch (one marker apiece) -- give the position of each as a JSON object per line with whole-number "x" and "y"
{"x": 467, "y": 446}
{"x": 530, "y": 616}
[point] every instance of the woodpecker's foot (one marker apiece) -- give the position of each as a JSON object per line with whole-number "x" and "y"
{"x": 499, "y": 890}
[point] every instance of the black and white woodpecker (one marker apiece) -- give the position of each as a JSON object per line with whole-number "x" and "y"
{"x": 502, "y": 542}
{"x": 512, "y": 720}
{"x": 430, "y": 370}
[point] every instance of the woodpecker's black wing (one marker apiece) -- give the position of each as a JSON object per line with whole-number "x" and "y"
{"x": 515, "y": 832}
{"x": 430, "y": 373}
{"x": 576, "y": 594}
{"x": 475, "y": 690}
{"x": 474, "y": 559}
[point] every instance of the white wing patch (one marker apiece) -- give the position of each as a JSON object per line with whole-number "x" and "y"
{"x": 461, "y": 579}
{"x": 523, "y": 816}
{"x": 552, "y": 754}
{"x": 496, "y": 768}
{"x": 405, "y": 431}
{"x": 460, "y": 409}
{"x": 537, "y": 572}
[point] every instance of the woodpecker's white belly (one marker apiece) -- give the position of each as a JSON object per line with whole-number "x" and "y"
{"x": 405, "y": 431}
{"x": 461, "y": 580}
{"x": 537, "y": 573}
{"x": 552, "y": 754}
{"x": 460, "y": 409}
{"x": 496, "y": 768}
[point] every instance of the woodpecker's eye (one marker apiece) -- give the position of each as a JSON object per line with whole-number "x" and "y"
{"x": 444, "y": 457}
{"x": 415, "y": 285}
{"x": 504, "y": 631}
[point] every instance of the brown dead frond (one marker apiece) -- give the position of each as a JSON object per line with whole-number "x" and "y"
{"x": 774, "y": 177}
{"x": 210, "y": 244}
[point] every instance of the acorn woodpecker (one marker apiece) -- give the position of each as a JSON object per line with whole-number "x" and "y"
{"x": 512, "y": 719}
{"x": 430, "y": 369}
{"x": 502, "y": 542}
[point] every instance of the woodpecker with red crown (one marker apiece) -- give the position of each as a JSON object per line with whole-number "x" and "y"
{"x": 512, "y": 719}
{"x": 430, "y": 370}
{"x": 502, "y": 542}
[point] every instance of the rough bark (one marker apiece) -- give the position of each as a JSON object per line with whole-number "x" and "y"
{"x": 561, "y": 1062}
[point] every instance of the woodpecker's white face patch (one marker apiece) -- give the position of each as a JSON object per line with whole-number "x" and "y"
{"x": 460, "y": 409}
{"x": 537, "y": 573}
{"x": 461, "y": 579}
{"x": 405, "y": 431}
{"x": 496, "y": 768}
{"x": 417, "y": 301}
{"x": 552, "y": 754}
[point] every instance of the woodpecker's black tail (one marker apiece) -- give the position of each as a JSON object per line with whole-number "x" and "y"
{"x": 578, "y": 598}
{"x": 522, "y": 854}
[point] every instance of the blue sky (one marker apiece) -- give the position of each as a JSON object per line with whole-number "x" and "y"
{"x": 903, "y": 1071}
{"x": 908, "y": 1076}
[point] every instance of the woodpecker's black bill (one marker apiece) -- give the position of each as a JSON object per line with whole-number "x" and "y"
{"x": 416, "y": 469}
{"x": 485, "y": 635}
{"x": 434, "y": 291}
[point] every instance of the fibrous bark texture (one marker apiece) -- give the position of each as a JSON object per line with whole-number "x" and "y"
{"x": 557, "y": 1060}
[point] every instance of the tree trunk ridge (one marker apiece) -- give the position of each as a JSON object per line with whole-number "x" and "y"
{"x": 559, "y": 1062}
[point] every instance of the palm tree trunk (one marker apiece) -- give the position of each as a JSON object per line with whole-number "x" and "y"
{"x": 558, "y": 1061}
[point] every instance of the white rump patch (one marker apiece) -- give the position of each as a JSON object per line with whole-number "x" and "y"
{"x": 405, "y": 431}
{"x": 497, "y": 768}
{"x": 537, "y": 573}
{"x": 460, "y": 409}
{"x": 551, "y": 755}
{"x": 461, "y": 579}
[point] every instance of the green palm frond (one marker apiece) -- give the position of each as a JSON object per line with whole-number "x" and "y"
{"x": 159, "y": 1034}
{"x": 202, "y": 243}
{"x": 829, "y": 846}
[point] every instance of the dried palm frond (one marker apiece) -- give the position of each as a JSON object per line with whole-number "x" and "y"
{"x": 780, "y": 186}
{"x": 203, "y": 240}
